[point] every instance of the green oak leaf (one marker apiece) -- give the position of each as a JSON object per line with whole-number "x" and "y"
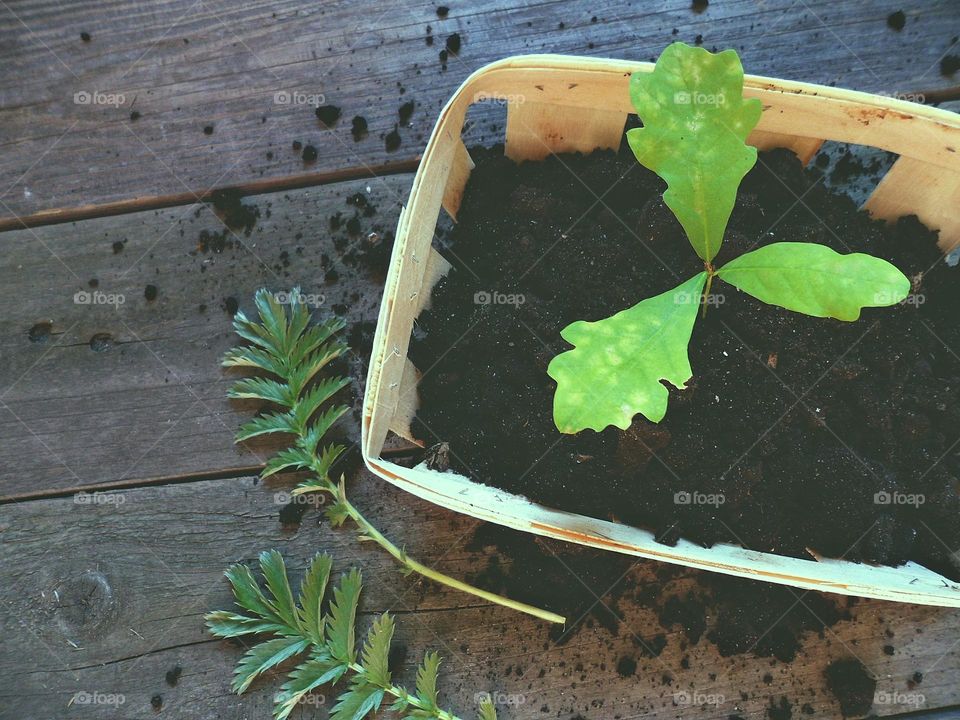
{"x": 615, "y": 368}
{"x": 695, "y": 123}
{"x": 816, "y": 280}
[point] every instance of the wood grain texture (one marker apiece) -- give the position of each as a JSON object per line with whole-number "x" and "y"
{"x": 185, "y": 66}
{"x": 106, "y": 597}
{"x": 151, "y": 402}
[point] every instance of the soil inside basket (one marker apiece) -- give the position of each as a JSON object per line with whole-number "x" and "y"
{"x": 795, "y": 433}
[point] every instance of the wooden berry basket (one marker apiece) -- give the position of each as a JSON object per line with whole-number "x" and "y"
{"x": 563, "y": 104}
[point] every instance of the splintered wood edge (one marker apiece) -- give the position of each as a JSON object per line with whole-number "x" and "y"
{"x": 800, "y": 116}
{"x": 909, "y": 583}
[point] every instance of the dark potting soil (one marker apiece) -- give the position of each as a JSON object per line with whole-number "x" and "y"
{"x": 838, "y": 437}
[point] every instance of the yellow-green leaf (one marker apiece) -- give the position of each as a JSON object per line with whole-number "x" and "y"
{"x": 695, "y": 124}
{"x": 816, "y": 280}
{"x": 617, "y": 364}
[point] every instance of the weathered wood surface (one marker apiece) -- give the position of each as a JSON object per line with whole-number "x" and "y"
{"x": 185, "y": 66}
{"x": 106, "y": 597}
{"x": 151, "y": 404}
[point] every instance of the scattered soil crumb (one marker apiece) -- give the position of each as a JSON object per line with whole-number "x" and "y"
{"x": 358, "y": 128}
{"x": 173, "y": 675}
{"x": 896, "y": 20}
{"x": 852, "y": 685}
{"x": 392, "y": 141}
{"x": 40, "y": 333}
{"x": 626, "y": 666}
{"x": 328, "y": 115}
{"x": 101, "y": 342}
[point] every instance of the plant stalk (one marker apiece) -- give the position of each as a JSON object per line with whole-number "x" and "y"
{"x": 706, "y": 290}
{"x": 421, "y": 569}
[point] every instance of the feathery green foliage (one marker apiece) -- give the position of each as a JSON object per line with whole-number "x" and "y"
{"x": 695, "y": 126}
{"x": 286, "y": 345}
{"x": 325, "y": 642}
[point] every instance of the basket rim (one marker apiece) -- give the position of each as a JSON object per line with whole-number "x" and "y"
{"x": 913, "y": 583}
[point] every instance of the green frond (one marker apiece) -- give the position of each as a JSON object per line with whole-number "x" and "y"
{"x": 313, "y": 337}
{"x": 362, "y": 699}
{"x": 257, "y": 388}
{"x": 266, "y": 424}
{"x": 487, "y": 711}
{"x": 311, "y": 364}
{"x": 312, "y": 399}
{"x": 247, "y": 593}
{"x": 225, "y": 624}
{"x": 312, "y": 590}
{"x": 275, "y": 573}
{"x": 273, "y": 317}
{"x": 337, "y": 513}
{"x": 294, "y": 457}
{"x": 254, "y": 357}
{"x": 427, "y": 679}
{"x": 375, "y": 658}
{"x": 315, "y": 672}
{"x": 264, "y": 656}
{"x": 341, "y": 624}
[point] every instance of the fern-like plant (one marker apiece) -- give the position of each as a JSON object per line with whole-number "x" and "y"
{"x": 324, "y": 641}
{"x": 293, "y": 351}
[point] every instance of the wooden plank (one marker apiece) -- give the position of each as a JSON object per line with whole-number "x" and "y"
{"x": 536, "y": 130}
{"x": 106, "y": 597}
{"x": 150, "y": 404}
{"x": 185, "y": 66}
{"x": 915, "y": 188}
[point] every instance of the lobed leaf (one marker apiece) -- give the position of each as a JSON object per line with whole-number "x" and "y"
{"x": 427, "y": 679}
{"x": 224, "y": 624}
{"x": 312, "y": 590}
{"x": 257, "y": 388}
{"x": 275, "y": 573}
{"x": 358, "y": 702}
{"x": 376, "y": 651}
{"x": 341, "y": 625}
{"x": 248, "y": 594}
{"x": 695, "y": 124}
{"x": 816, "y": 280}
{"x": 264, "y": 656}
{"x": 617, "y": 364}
{"x": 315, "y": 672}
{"x": 267, "y": 424}
{"x": 487, "y": 711}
